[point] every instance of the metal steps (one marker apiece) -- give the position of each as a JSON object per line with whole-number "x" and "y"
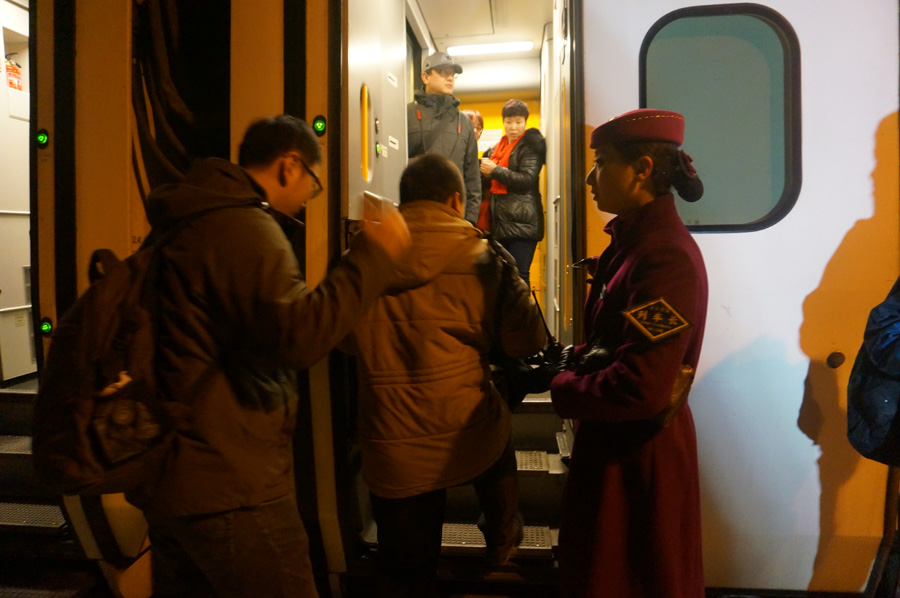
{"x": 539, "y": 462}
{"x": 466, "y": 539}
{"x": 30, "y": 518}
{"x": 16, "y": 407}
{"x": 540, "y": 483}
{"x": 17, "y": 476}
{"x": 32, "y": 523}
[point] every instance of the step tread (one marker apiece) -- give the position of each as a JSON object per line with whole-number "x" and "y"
{"x": 538, "y": 462}
{"x": 564, "y": 442}
{"x": 532, "y": 461}
{"x": 466, "y": 537}
{"x": 31, "y": 517}
{"x": 536, "y": 404}
{"x": 24, "y": 387}
{"x": 15, "y": 445}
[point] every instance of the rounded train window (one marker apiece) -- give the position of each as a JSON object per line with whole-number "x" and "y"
{"x": 733, "y": 71}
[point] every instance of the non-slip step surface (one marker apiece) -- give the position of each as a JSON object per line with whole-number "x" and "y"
{"x": 466, "y": 537}
{"x": 532, "y": 461}
{"x": 15, "y": 445}
{"x": 23, "y": 386}
{"x": 31, "y": 518}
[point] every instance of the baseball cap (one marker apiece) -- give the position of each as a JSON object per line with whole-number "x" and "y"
{"x": 440, "y": 60}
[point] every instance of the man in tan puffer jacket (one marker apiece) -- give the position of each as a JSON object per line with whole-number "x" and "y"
{"x": 429, "y": 417}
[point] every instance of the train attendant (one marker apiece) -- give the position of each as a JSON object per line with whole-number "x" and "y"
{"x": 630, "y": 524}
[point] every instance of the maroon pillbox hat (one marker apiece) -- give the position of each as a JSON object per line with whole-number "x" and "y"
{"x": 640, "y": 125}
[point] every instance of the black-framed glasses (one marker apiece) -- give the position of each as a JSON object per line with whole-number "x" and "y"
{"x": 315, "y": 179}
{"x": 309, "y": 170}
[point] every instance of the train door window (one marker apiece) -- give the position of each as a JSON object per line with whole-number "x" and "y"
{"x": 733, "y": 71}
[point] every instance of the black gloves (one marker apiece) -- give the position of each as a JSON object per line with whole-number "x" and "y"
{"x": 593, "y": 359}
{"x": 544, "y": 366}
{"x": 516, "y": 378}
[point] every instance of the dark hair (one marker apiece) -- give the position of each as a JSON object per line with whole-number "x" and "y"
{"x": 475, "y": 117}
{"x": 268, "y": 138}
{"x": 670, "y": 169}
{"x": 430, "y": 176}
{"x": 515, "y": 108}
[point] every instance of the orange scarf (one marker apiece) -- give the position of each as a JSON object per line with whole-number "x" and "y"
{"x": 500, "y": 157}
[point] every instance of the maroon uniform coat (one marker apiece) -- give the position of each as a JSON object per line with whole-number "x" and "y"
{"x": 631, "y": 508}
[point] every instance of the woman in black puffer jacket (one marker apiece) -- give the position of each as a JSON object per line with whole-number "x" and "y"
{"x": 514, "y": 214}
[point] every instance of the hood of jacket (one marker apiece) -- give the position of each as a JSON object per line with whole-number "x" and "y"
{"x": 439, "y": 102}
{"x": 533, "y": 138}
{"x": 209, "y": 184}
{"x": 440, "y": 239}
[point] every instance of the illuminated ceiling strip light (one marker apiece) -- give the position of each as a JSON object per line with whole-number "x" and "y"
{"x": 501, "y": 48}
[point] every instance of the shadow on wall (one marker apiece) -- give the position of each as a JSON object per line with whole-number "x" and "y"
{"x": 833, "y": 322}
{"x": 745, "y": 480}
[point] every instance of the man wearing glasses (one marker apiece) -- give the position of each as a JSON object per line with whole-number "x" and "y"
{"x": 234, "y": 324}
{"x": 435, "y": 125}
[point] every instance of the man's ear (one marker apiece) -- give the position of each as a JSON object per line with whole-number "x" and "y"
{"x": 455, "y": 201}
{"x": 424, "y": 78}
{"x": 282, "y": 173}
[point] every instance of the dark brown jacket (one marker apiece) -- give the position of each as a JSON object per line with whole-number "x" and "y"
{"x": 237, "y": 320}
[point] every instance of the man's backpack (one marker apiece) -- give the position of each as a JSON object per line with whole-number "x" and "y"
{"x": 99, "y": 424}
{"x": 873, "y": 393}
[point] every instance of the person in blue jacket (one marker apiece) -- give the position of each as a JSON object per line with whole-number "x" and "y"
{"x": 873, "y": 392}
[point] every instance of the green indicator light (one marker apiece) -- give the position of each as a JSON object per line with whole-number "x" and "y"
{"x": 42, "y": 138}
{"x": 318, "y": 125}
{"x": 46, "y": 327}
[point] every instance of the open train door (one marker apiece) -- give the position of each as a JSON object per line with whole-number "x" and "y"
{"x": 791, "y": 112}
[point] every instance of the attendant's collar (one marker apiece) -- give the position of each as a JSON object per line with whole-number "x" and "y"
{"x": 620, "y": 227}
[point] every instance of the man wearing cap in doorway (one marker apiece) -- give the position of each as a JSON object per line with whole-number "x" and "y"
{"x": 630, "y": 514}
{"x": 435, "y": 125}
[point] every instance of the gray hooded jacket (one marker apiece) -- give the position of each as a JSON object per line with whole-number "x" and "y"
{"x": 435, "y": 125}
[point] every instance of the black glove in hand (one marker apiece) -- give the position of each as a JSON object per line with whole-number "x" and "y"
{"x": 545, "y": 365}
{"x": 564, "y": 360}
{"x": 593, "y": 360}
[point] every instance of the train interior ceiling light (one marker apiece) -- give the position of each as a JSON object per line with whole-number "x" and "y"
{"x": 498, "y": 48}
